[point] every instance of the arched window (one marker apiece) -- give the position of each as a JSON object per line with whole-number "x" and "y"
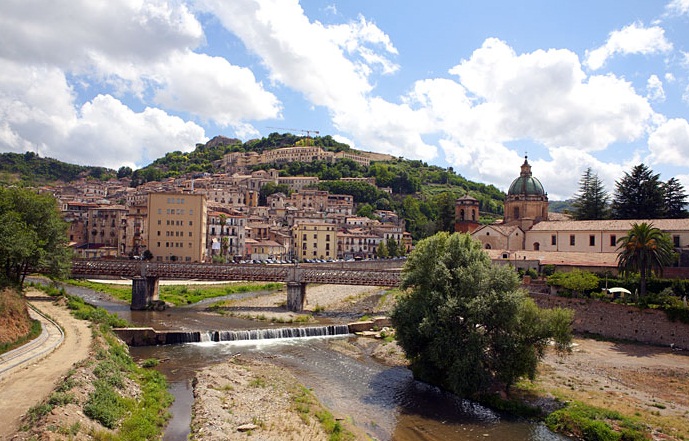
{"x": 536, "y": 246}
{"x": 461, "y": 214}
{"x": 473, "y": 215}
{"x": 488, "y": 247}
{"x": 515, "y": 212}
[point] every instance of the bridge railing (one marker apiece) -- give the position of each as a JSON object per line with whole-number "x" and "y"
{"x": 323, "y": 273}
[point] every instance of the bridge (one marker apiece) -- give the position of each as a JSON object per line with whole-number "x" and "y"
{"x": 146, "y": 275}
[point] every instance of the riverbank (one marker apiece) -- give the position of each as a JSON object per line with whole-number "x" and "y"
{"x": 648, "y": 384}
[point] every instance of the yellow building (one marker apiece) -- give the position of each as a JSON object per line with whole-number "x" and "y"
{"x": 317, "y": 240}
{"x": 177, "y": 227}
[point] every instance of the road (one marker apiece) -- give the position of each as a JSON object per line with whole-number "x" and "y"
{"x": 29, "y": 375}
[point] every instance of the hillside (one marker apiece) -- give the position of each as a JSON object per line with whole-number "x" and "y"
{"x": 422, "y": 194}
{"x": 30, "y": 169}
{"x": 15, "y": 323}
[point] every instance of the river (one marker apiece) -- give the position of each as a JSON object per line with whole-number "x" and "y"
{"x": 386, "y": 401}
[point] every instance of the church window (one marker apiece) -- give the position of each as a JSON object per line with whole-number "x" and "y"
{"x": 613, "y": 240}
{"x": 516, "y": 213}
{"x": 592, "y": 240}
{"x": 572, "y": 240}
{"x": 553, "y": 239}
{"x": 675, "y": 241}
{"x": 461, "y": 214}
{"x": 536, "y": 246}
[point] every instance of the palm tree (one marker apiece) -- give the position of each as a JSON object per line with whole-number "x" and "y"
{"x": 645, "y": 249}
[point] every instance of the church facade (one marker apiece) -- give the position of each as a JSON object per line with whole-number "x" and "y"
{"x": 530, "y": 235}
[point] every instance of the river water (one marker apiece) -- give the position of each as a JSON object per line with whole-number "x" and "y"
{"x": 386, "y": 401}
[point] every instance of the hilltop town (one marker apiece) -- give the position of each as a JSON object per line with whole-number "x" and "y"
{"x": 223, "y": 217}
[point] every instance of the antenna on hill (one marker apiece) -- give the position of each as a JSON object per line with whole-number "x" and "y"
{"x": 308, "y": 132}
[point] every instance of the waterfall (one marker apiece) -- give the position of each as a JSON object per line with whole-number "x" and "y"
{"x": 177, "y": 337}
{"x": 265, "y": 334}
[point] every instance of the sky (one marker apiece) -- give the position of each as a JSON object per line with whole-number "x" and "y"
{"x": 472, "y": 85}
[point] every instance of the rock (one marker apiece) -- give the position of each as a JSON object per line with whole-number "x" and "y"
{"x": 247, "y": 427}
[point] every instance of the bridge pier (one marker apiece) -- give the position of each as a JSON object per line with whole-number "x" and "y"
{"x": 144, "y": 292}
{"x": 296, "y": 296}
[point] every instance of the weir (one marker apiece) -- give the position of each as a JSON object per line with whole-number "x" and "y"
{"x": 151, "y": 337}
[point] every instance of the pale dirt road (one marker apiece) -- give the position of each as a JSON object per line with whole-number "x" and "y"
{"x": 27, "y": 386}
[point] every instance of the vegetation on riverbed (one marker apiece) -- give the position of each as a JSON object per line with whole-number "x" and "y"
{"x": 179, "y": 294}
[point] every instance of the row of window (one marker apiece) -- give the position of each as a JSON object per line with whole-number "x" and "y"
{"x": 173, "y": 245}
{"x": 177, "y": 211}
{"x": 315, "y": 237}
{"x": 592, "y": 240}
{"x": 315, "y": 245}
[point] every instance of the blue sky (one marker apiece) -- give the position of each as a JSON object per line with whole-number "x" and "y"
{"x": 471, "y": 85}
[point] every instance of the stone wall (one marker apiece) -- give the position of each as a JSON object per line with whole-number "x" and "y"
{"x": 611, "y": 320}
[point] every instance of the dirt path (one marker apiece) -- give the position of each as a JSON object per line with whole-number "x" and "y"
{"x": 25, "y": 387}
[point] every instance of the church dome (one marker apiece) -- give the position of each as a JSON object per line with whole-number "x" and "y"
{"x": 526, "y": 184}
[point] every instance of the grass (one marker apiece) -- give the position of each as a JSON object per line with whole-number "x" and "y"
{"x": 180, "y": 294}
{"x": 593, "y": 423}
{"x": 307, "y": 406}
{"x": 130, "y": 419}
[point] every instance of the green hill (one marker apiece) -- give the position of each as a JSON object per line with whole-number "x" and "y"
{"x": 30, "y": 169}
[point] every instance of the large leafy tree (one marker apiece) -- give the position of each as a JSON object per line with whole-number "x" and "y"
{"x": 33, "y": 236}
{"x": 591, "y": 203}
{"x": 675, "y": 199}
{"x": 639, "y": 195}
{"x": 646, "y": 250}
{"x": 465, "y": 324}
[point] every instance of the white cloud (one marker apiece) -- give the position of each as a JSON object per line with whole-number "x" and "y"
{"x": 331, "y": 66}
{"x": 213, "y": 89}
{"x": 108, "y": 132}
{"x": 543, "y": 98}
{"x": 654, "y": 88}
{"x": 632, "y": 39}
{"x": 38, "y": 114}
{"x": 678, "y": 7}
{"x": 669, "y": 143}
{"x": 71, "y": 34}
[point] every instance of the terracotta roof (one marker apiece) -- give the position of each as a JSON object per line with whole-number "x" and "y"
{"x": 610, "y": 225}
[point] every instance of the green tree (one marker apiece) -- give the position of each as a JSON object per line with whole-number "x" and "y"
{"x": 639, "y": 195}
{"x": 365, "y": 210}
{"x": 465, "y": 324}
{"x": 393, "y": 248}
{"x": 646, "y": 250}
{"x": 445, "y": 206}
{"x": 382, "y": 251}
{"x": 577, "y": 281}
{"x": 33, "y": 236}
{"x": 124, "y": 171}
{"x": 591, "y": 203}
{"x": 675, "y": 199}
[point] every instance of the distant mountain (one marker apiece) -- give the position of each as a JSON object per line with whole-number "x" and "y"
{"x": 561, "y": 206}
{"x": 30, "y": 169}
